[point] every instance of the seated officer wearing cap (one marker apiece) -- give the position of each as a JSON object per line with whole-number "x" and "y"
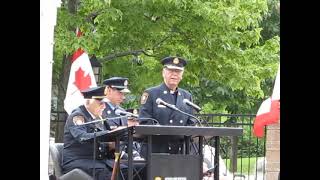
{"x": 173, "y": 68}
{"x": 78, "y": 137}
{"x": 115, "y": 90}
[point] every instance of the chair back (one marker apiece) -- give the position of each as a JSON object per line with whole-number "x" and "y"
{"x": 56, "y": 150}
{"x": 56, "y": 155}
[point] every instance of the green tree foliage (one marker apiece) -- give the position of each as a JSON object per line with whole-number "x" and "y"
{"x": 228, "y": 61}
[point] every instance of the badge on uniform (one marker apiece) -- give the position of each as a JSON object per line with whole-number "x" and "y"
{"x": 78, "y": 120}
{"x": 144, "y": 98}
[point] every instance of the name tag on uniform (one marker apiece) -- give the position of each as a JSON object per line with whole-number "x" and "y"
{"x": 161, "y": 106}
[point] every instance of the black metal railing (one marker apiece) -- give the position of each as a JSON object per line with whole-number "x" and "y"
{"x": 243, "y": 156}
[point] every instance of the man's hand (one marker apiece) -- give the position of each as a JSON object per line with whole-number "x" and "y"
{"x": 111, "y": 145}
{"x": 132, "y": 122}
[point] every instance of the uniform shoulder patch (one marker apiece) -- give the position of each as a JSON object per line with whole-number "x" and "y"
{"x": 78, "y": 120}
{"x": 144, "y": 98}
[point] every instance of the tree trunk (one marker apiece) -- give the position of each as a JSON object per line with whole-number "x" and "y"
{"x": 62, "y": 88}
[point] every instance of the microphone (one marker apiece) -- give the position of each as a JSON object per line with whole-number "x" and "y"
{"x": 160, "y": 101}
{"x": 100, "y": 120}
{"x": 186, "y": 101}
{"x": 119, "y": 112}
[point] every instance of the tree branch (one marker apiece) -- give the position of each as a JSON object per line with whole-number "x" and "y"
{"x": 134, "y": 53}
{"x": 93, "y": 15}
{"x": 160, "y": 42}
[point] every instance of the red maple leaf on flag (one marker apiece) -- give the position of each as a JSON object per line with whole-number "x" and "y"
{"x": 82, "y": 82}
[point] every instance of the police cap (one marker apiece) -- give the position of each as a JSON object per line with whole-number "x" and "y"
{"x": 119, "y": 83}
{"x": 94, "y": 93}
{"x": 173, "y": 62}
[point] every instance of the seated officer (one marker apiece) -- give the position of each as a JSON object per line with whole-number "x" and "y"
{"x": 78, "y": 137}
{"x": 115, "y": 91}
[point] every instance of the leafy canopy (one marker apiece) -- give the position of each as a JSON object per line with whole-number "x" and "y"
{"x": 228, "y": 62}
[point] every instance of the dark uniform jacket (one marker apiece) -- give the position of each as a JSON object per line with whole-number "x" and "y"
{"x": 166, "y": 116}
{"x": 109, "y": 112}
{"x": 78, "y": 142}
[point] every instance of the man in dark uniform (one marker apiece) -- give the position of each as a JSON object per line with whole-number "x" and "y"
{"x": 78, "y": 137}
{"x": 168, "y": 91}
{"x": 115, "y": 91}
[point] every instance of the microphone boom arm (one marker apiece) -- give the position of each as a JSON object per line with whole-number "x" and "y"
{"x": 100, "y": 120}
{"x": 190, "y": 115}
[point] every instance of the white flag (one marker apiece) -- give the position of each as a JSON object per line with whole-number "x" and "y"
{"x": 81, "y": 77}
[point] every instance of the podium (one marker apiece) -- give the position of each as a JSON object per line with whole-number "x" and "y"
{"x": 184, "y": 166}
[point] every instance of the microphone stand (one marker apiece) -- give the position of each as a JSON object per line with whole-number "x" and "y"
{"x": 94, "y": 141}
{"x": 94, "y": 155}
{"x": 190, "y": 115}
{"x": 206, "y": 142}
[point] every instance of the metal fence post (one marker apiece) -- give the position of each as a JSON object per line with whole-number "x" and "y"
{"x": 234, "y": 152}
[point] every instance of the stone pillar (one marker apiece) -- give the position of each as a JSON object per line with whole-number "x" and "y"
{"x": 273, "y": 151}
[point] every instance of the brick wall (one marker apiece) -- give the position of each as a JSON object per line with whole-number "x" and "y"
{"x": 273, "y": 151}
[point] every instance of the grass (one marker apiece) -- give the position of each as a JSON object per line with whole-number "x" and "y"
{"x": 245, "y": 165}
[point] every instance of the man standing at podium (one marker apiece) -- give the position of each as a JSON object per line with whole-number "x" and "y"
{"x": 169, "y": 92}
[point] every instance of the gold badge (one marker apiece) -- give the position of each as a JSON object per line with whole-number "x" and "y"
{"x": 125, "y": 83}
{"x": 144, "y": 98}
{"x": 175, "y": 61}
{"x": 78, "y": 120}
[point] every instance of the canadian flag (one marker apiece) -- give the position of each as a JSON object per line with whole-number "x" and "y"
{"x": 269, "y": 111}
{"x": 81, "y": 77}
